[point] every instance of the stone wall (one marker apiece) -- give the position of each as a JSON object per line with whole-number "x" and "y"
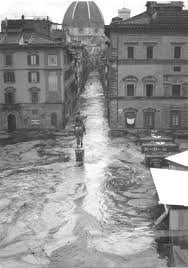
{"x": 162, "y": 113}
{"x": 30, "y": 116}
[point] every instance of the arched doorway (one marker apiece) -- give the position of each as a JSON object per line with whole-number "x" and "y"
{"x": 54, "y": 120}
{"x": 11, "y": 122}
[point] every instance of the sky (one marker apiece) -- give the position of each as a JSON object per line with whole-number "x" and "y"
{"x": 55, "y": 9}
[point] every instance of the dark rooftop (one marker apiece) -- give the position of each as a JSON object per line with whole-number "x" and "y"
{"x": 169, "y": 13}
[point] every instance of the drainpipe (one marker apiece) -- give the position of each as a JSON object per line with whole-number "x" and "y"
{"x": 163, "y": 216}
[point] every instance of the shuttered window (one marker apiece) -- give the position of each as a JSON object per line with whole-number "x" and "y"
{"x": 176, "y": 90}
{"x": 148, "y": 120}
{"x": 34, "y": 97}
{"x": 33, "y": 77}
{"x": 8, "y": 59}
{"x": 149, "y": 52}
{"x": 130, "y": 52}
{"x": 52, "y": 60}
{"x": 130, "y": 90}
{"x": 175, "y": 119}
{"x": 33, "y": 59}
{"x": 9, "y": 98}
{"x": 177, "y": 52}
{"x": 9, "y": 77}
{"x": 52, "y": 81}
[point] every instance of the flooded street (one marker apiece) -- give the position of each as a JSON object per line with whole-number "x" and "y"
{"x": 55, "y": 212}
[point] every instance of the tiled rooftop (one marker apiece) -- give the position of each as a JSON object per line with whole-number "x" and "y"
{"x": 26, "y": 38}
{"x": 159, "y": 13}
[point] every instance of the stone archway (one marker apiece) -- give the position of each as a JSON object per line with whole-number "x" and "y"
{"x": 11, "y": 122}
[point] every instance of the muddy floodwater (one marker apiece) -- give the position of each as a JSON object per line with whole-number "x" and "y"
{"x": 55, "y": 212}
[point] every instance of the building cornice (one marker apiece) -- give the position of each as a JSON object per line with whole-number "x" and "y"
{"x": 166, "y": 29}
{"x": 27, "y": 47}
{"x": 150, "y": 61}
{"x": 145, "y": 98}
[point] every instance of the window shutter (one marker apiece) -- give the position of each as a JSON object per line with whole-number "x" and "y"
{"x": 37, "y": 59}
{"x": 5, "y": 78}
{"x": 29, "y": 77}
{"x": 13, "y": 74}
{"x": 29, "y": 59}
{"x": 38, "y": 77}
{"x": 6, "y": 98}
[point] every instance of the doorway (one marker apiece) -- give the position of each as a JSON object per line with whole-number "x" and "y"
{"x": 11, "y": 122}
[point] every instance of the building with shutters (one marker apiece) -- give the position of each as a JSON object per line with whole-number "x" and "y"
{"x": 40, "y": 77}
{"x": 147, "y": 63}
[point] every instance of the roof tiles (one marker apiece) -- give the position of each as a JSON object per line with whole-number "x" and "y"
{"x": 27, "y": 38}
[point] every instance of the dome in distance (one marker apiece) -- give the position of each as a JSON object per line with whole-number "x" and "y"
{"x": 82, "y": 14}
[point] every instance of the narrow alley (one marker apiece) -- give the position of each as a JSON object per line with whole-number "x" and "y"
{"x": 63, "y": 214}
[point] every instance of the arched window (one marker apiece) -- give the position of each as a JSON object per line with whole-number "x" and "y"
{"x": 34, "y": 91}
{"x": 149, "y": 83}
{"x": 149, "y": 118}
{"x": 130, "y": 85}
{"x": 10, "y": 95}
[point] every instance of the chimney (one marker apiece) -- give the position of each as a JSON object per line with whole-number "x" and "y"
{"x": 124, "y": 13}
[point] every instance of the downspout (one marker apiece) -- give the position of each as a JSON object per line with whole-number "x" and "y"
{"x": 163, "y": 216}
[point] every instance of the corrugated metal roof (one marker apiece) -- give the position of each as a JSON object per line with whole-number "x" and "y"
{"x": 180, "y": 158}
{"x": 171, "y": 186}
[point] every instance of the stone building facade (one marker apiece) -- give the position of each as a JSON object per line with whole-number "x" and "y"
{"x": 147, "y": 59}
{"x": 39, "y": 80}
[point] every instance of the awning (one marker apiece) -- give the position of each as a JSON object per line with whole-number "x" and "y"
{"x": 171, "y": 186}
{"x": 181, "y": 158}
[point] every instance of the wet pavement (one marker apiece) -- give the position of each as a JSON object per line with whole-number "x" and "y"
{"x": 55, "y": 212}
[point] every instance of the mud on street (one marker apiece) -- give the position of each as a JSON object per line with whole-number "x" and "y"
{"x": 57, "y": 213}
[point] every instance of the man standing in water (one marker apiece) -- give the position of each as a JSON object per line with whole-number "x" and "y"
{"x": 79, "y": 122}
{"x": 79, "y": 128}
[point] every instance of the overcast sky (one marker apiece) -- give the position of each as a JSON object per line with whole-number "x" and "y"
{"x": 55, "y": 9}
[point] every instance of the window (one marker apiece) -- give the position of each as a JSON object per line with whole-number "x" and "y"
{"x": 34, "y": 97}
{"x": 52, "y": 60}
{"x": 52, "y": 81}
{"x": 177, "y": 69}
{"x": 33, "y": 59}
{"x": 175, "y": 119}
{"x": 54, "y": 119}
{"x": 81, "y": 30}
{"x": 33, "y": 77}
{"x": 176, "y": 90}
{"x": 9, "y": 77}
{"x": 9, "y": 98}
{"x": 130, "y": 90}
{"x": 177, "y": 52}
{"x": 8, "y": 59}
{"x": 149, "y": 90}
{"x": 149, "y": 52}
{"x": 130, "y": 52}
{"x": 148, "y": 119}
